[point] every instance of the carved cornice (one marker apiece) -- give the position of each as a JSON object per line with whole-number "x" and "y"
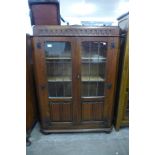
{"x": 75, "y": 31}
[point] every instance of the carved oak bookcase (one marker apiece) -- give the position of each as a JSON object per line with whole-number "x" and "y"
{"x": 75, "y": 70}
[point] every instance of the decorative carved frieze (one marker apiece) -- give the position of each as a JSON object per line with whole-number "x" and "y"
{"x": 74, "y": 31}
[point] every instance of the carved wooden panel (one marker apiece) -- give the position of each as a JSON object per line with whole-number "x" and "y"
{"x": 74, "y": 31}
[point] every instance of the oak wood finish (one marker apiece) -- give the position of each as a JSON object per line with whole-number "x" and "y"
{"x": 76, "y": 113}
{"x": 31, "y": 109}
{"x": 108, "y": 130}
{"x": 112, "y": 67}
{"x": 41, "y": 79}
{"x": 47, "y": 30}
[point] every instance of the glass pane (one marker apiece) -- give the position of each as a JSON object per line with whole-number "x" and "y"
{"x": 58, "y": 49}
{"x": 59, "y": 68}
{"x": 93, "y": 64}
{"x": 94, "y": 50}
{"x": 92, "y": 89}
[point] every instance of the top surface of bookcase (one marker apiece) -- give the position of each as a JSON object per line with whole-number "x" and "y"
{"x": 75, "y": 31}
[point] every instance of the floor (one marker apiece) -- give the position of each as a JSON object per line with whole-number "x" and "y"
{"x": 115, "y": 143}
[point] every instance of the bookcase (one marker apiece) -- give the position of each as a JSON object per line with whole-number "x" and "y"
{"x": 75, "y": 71}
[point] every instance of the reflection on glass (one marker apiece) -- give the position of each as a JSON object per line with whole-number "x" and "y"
{"x": 59, "y": 89}
{"x": 93, "y": 63}
{"x": 92, "y": 89}
{"x": 59, "y": 68}
{"x": 58, "y": 50}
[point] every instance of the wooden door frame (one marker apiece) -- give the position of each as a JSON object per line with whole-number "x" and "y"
{"x": 41, "y": 77}
{"x": 112, "y": 68}
{"x": 110, "y": 71}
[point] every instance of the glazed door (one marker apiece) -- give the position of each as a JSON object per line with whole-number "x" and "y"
{"x": 54, "y": 65}
{"x": 97, "y": 72}
{"x": 76, "y": 81}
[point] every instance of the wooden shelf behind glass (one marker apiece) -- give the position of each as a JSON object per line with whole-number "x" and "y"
{"x": 58, "y": 58}
{"x": 59, "y": 79}
{"x": 68, "y": 79}
{"x": 94, "y": 58}
{"x": 59, "y": 99}
{"x": 92, "y": 78}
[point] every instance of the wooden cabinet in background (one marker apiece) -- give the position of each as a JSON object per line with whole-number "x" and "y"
{"x": 121, "y": 116}
{"x": 31, "y": 110}
{"x": 75, "y": 71}
{"x": 122, "y": 98}
{"x": 44, "y": 12}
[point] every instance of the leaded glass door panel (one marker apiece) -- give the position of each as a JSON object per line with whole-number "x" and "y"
{"x": 93, "y": 78}
{"x": 56, "y": 59}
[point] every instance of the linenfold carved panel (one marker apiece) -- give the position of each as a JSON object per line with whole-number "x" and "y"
{"x": 74, "y": 31}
